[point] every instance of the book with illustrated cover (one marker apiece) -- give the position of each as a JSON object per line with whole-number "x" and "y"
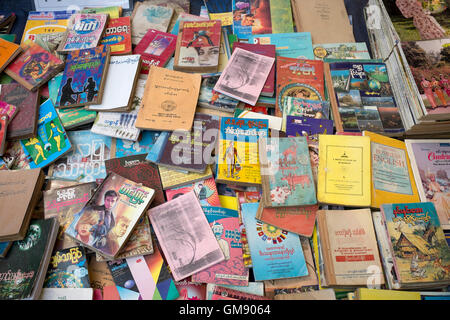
{"x": 206, "y": 191}
{"x": 171, "y": 178}
{"x": 42, "y": 22}
{"x": 84, "y": 77}
{"x": 348, "y": 50}
{"x": 8, "y": 52}
{"x": 308, "y": 127}
{"x": 118, "y": 35}
{"x": 297, "y": 45}
{"x": 106, "y": 222}
{"x": 4, "y": 119}
{"x": 275, "y": 123}
{"x": 197, "y": 48}
{"x": 125, "y": 285}
{"x": 144, "y": 144}
{"x": 211, "y": 99}
{"x": 293, "y": 106}
{"x": 84, "y": 31}
{"x": 50, "y": 42}
{"x": 51, "y": 141}
{"x": 147, "y": 16}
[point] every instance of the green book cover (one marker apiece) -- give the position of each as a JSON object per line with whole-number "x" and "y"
{"x": 281, "y": 16}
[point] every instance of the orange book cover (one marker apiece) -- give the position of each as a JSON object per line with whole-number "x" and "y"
{"x": 8, "y": 51}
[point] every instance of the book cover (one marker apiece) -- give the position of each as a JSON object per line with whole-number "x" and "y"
{"x": 113, "y": 11}
{"x": 124, "y": 282}
{"x": 8, "y": 52}
{"x": 185, "y": 237}
{"x": 184, "y": 16}
{"x": 34, "y": 66}
{"x": 430, "y": 163}
{"x": 344, "y": 174}
{"x": 84, "y": 77}
{"x": 421, "y": 253}
{"x": 155, "y": 48}
{"x": 211, "y": 99}
{"x": 144, "y": 144}
{"x": 42, "y": 22}
{"x": 206, "y": 191}
{"x": 171, "y": 178}
{"x": 15, "y": 157}
{"x": 308, "y": 127}
{"x": 297, "y": 45}
{"x": 380, "y": 294}
{"x": 164, "y": 108}
{"x": 147, "y": 16}
{"x": 244, "y": 76}
{"x": 392, "y": 176}
{"x": 237, "y": 150}
{"x": 189, "y": 290}
{"x": 343, "y": 50}
{"x": 49, "y": 42}
{"x": 275, "y": 253}
{"x": 293, "y": 106}
{"x": 224, "y": 293}
{"x": 275, "y": 123}
{"x": 251, "y": 17}
{"x": 192, "y": 151}
{"x": 108, "y": 219}
{"x": 286, "y": 174}
{"x": 75, "y": 117}
{"x": 225, "y": 226}
{"x": 197, "y": 48}
{"x": 68, "y": 268}
{"x": 118, "y": 35}
{"x": 65, "y": 294}
{"x": 4, "y": 248}
{"x": 84, "y": 31}
{"x": 85, "y": 163}
{"x": 4, "y": 119}
{"x": 253, "y": 288}
{"x": 51, "y": 141}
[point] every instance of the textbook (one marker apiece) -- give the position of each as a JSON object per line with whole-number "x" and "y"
{"x": 118, "y": 36}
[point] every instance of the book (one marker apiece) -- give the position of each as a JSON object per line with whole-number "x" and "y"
{"x": 125, "y": 285}
{"x": 148, "y": 16}
{"x": 68, "y": 268}
{"x": 297, "y": 45}
{"x": 244, "y": 76}
{"x": 166, "y": 109}
{"x": 275, "y": 253}
{"x": 197, "y": 47}
{"x": 67, "y": 294}
{"x": 76, "y": 117}
{"x": 24, "y": 124}
{"x": 20, "y": 192}
{"x": 85, "y": 163}
{"x": 205, "y": 190}
{"x": 344, "y": 173}
{"x": 51, "y": 141}
{"x": 108, "y": 219}
{"x": 308, "y": 127}
{"x": 430, "y": 165}
{"x": 84, "y": 31}
{"x": 392, "y": 176}
{"x": 113, "y": 11}
{"x": 254, "y": 288}
{"x": 156, "y": 48}
{"x": 8, "y": 52}
{"x": 224, "y": 293}
{"x": 237, "y": 151}
{"x": 349, "y": 247}
{"x": 4, "y": 119}
{"x": 192, "y": 151}
{"x": 286, "y": 175}
{"x": 417, "y": 245}
{"x": 50, "y": 42}
{"x": 292, "y": 106}
{"x": 324, "y": 294}
{"x": 184, "y": 16}
{"x": 342, "y": 50}
{"x": 185, "y": 237}
{"x": 28, "y": 261}
{"x": 4, "y": 248}
{"x": 118, "y": 35}
{"x": 211, "y": 99}
{"x": 171, "y": 178}
{"x": 40, "y": 22}
{"x": 380, "y": 294}
{"x": 118, "y": 95}
{"x": 34, "y": 66}
{"x": 190, "y": 290}
{"x": 275, "y": 123}
{"x": 84, "y": 77}
{"x": 144, "y": 144}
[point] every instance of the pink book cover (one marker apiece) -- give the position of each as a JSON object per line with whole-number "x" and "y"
{"x": 155, "y": 48}
{"x": 206, "y": 191}
{"x": 8, "y": 109}
{"x": 267, "y": 50}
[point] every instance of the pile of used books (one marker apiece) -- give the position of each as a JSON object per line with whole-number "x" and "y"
{"x": 247, "y": 150}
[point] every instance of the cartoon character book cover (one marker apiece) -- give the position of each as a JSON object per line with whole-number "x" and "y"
{"x": 51, "y": 141}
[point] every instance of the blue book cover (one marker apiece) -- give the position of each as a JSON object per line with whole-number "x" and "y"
{"x": 276, "y": 253}
{"x": 143, "y": 145}
{"x": 292, "y": 45}
{"x": 51, "y": 141}
{"x": 155, "y": 151}
{"x": 308, "y": 127}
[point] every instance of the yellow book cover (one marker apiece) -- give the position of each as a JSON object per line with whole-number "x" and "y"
{"x": 171, "y": 178}
{"x": 113, "y": 11}
{"x": 45, "y": 22}
{"x": 344, "y": 176}
{"x": 228, "y": 202}
{"x": 379, "y": 294}
{"x": 392, "y": 176}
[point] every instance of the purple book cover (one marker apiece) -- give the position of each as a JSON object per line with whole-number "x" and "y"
{"x": 310, "y": 127}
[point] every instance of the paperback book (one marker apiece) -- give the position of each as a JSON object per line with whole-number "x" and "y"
{"x": 206, "y": 191}
{"x": 118, "y": 35}
{"x": 39, "y": 22}
{"x": 297, "y": 45}
{"x": 347, "y": 50}
{"x": 211, "y": 99}
{"x": 308, "y": 127}
{"x": 8, "y": 52}
{"x": 147, "y": 16}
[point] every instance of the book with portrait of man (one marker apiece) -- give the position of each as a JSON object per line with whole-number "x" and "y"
{"x": 108, "y": 219}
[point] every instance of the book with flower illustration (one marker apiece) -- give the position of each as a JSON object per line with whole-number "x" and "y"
{"x": 106, "y": 222}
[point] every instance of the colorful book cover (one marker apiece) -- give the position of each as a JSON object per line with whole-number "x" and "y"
{"x": 286, "y": 173}
{"x": 237, "y": 151}
{"x": 225, "y": 226}
{"x": 143, "y": 145}
{"x": 275, "y": 123}
{"x": 430, "y": 163}
{"x": 155, "y": 48}
{"x": 118, "y": 35}
{"x": 4, "y": 248}
{"x": 84, "y": 31}
{"x": 8, "y": 109}
{"x": 171, "y": 178}
{"x": 303, "y": 108}
{"x": 83, "y": 78}
{"x": 125, "y": 283}
{"x": 183, "y": 16}
{"x": 308, "y": 127}
{"x": 206, "y": 191}
{"x": 421, "y": 253}
{"x": 276, "y": 253}
{"x": 68, "y": 268}
{"x": 209, "y": 98}
{"x": 357, "y": 50}
{"x": 41, "y": 22}
{"x": 108, "y": 219}
{"x": 251, "y": 17}
{"x": 224, "y": 293}
{"x": 362, "y": 92}
{"x": 191, "y": 290}
{"x": 85, "y": 163}
{"x": 147, "y": 16}
{"x": 4, "y": 119}
{"x": 51, "y": 141}
{"x": 297, "y": 45}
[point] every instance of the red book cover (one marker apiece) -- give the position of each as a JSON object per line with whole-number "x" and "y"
{"x": 155, "y": 48}
{"x": 267, "y": 50}
{"x": 118, "y": 36}
{"x": 3, "y": 124}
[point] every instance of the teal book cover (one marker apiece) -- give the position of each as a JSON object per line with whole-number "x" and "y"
{"x": 276, "y": 253}
{"x": 292, "y": 45}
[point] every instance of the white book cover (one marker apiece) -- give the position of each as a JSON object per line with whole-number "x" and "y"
{"x": 274, "y": 122}
{"x": 67, "y": 294}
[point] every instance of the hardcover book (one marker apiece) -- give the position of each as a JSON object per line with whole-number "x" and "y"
{"x": 297, "y": 45}
{"x": 34, "y": 67}
{"x": 84, "y": 31}
{"x": 206, "y": 191}
{"x": 265, "y": 241}
{"x": 343, "y": 50}
{"x": 237, "y": 151}
{"x": 147, "y": 16}
{"x": 197, "y": 48}
{"x": 108, "y": 219}
{"x": 185, "y": 237}
{"x": 84, "y": 77}
{"x": 225, "y": 226}
{"x": 8, "y": 52}
{"x": 308, "y": 127}
{"x": 118, "y": 36}
{"x": 211, "y": 99}
{"x": 51, "y": 141}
